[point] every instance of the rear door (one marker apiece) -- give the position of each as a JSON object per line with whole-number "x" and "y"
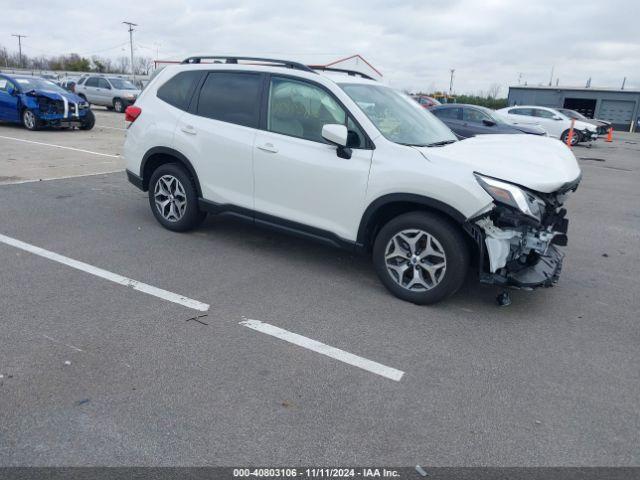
{"x": 218, "y": 132}
{"x": 8, "y": 102}
{"x": 298, "y": 175}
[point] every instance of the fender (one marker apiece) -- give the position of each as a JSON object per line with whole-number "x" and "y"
{"x": 168, "y": 151}
{"x": 369, "y": 214}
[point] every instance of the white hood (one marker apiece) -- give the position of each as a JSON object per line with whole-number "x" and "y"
{"x": 542, "y": 164}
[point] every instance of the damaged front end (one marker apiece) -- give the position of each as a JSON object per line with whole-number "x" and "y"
{"x": 518, "y": 237}
{"x": 56, "y": 110}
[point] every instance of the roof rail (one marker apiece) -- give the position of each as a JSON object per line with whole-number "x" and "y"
{"x": 351, "y": 73}
{"x": 233, "y": 59}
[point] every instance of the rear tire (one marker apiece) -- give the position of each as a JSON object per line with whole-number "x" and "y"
{"x": 30, "y": 120}
{"x": 118, "y": 105}
{"x": 421, "y": 257}
{"x": 173, "y": 198}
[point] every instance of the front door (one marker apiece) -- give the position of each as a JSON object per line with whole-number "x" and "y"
{"x": 8, "y": 101}
{"x": 298, "y": 176}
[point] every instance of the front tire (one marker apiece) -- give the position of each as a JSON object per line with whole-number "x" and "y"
{"x": 30, "y": 121}
{"x": 421, "y": 257}
{"x": 89, "y": 121}
{"x": 574, "y": 140}
{"x": 173, "y": 198}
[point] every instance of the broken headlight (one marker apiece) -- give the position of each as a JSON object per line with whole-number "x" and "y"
{"x": 512, "y": 196}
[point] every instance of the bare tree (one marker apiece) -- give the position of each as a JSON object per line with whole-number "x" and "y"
{"x": 122, "y": 65}
{"x": 494, "y": 90}
{"x": 143, "y": 65}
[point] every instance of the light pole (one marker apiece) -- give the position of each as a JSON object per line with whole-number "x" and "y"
{"x": 20, "y": 37}
{"x": 453, "y": 70}
{"x": 131, "y": 25}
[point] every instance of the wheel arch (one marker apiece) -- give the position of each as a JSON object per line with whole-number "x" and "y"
{"x": 157, "y": 156}
{"x": 384, "y": 208}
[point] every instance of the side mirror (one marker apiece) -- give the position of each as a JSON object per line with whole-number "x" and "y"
{"x": 337, "y": 135}
{"x": 488, "y": 123}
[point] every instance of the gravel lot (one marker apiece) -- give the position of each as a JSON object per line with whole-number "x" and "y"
{"x": 96, "y": 373}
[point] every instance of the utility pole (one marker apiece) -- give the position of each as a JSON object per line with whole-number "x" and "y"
{"x": 20, "y": 37}
{"x": 451, "y": 81}
{"x": 133, "y": 69}
{"x": 624, "y": 80}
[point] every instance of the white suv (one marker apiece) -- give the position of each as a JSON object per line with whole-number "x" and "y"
{"x": 341, "y": 158}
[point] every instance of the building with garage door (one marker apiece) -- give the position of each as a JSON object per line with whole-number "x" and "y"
{"x": 620, "y": 107}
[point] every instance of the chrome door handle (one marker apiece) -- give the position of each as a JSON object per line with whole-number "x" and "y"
{"x": 188, "y": 129}
{"x": 268, "y": 147}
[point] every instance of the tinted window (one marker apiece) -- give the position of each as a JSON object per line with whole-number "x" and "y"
{"x": 179, "y": 89}
{"x": 447, "y": 113}
{"x": 521, "y": 111}
{"x": 91, "y": 82}
{"x": 300, "y": 109}
{"x": 543, "y": 113}
{"x": 102, "y": 83}
{"x": 231, "y": 97}
{"x": 474, "y": 116}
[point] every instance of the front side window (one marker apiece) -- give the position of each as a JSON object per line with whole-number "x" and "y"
{"x": 474, "y": 116}
{"x": 179, "y": 89}
{"x": 91, "y": 82}
{"x": 521, "y": 111}
{"x": 102, "y": 83}
{"x": 399, "y": 118}
{"x": 300, "y": 109}
{"x": 543, "y": 113}
{"x": 231, "y": 97}
{"x": 122, "y": 84}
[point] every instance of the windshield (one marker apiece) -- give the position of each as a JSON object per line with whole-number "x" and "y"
{"x": 34, "y": 83}
{"x": 398, "y": 117}
{"x": 120, "y": 84}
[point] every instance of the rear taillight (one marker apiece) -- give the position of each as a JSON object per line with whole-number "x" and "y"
{"x": 132, "y": 113}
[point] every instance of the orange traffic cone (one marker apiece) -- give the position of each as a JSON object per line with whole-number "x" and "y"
{"x": 610, "y": 135}
{"x": 570, "y": 136}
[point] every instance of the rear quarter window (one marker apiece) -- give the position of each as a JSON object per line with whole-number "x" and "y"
{"x": 178, "y": 90}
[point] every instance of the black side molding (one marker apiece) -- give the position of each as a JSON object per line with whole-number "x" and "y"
{"x": 135, "y": 180}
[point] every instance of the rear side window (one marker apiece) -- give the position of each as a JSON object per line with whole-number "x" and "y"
{"x": 231, "y": 97}
{"x": 179, "y": 89}
{"x": 543, "y": 113}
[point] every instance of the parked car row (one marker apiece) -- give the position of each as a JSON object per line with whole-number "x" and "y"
{"x": 471, "y": 120}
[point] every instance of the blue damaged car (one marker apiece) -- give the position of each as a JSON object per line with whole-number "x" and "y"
{"x": 37, "y": 103}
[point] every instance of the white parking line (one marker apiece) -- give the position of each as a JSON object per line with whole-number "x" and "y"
{"x": 18, "y": 182}
{"x": 113, "y": 277}
{"x": 329, "y": 351}
{"x": 111, "y": 128}
{"x": 60, "y": 146}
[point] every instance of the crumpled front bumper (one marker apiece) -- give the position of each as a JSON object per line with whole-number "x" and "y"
{"x": 544, "y": 273}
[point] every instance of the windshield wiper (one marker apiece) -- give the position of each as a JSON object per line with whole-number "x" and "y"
{"x": 413, "y": 144}
{"x": 439, "y": 144}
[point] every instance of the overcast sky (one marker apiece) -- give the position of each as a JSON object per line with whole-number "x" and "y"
{"x": 413, "y": 43}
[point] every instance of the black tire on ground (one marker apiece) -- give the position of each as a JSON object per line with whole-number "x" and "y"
{"x": 192, "y": 216}
{"x": 452, "y": 241}
{"x": 118, "y": 105}
{"x": 89, "y": 121}
{"x": 577, "y": 137}
{"x": 30, "y": 120}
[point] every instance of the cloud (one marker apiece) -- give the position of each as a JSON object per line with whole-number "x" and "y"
{"x": 414, "y": 43}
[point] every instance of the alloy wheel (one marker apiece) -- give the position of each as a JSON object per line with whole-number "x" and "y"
{"x": 170, "y": 198}
{"x": 29, "y": 119}
{"x": 415, "y": 260}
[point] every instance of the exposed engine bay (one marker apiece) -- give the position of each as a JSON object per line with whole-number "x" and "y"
{"x": 518, "y": 239}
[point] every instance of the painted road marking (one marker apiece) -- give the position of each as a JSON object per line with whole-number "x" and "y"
{"x": 113, "y": 277}
{"x": 112, "y": 128}
{"x": 60, "y": 146}
{"x": 329, "y": 351}
{"x": 18, "y": 182}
